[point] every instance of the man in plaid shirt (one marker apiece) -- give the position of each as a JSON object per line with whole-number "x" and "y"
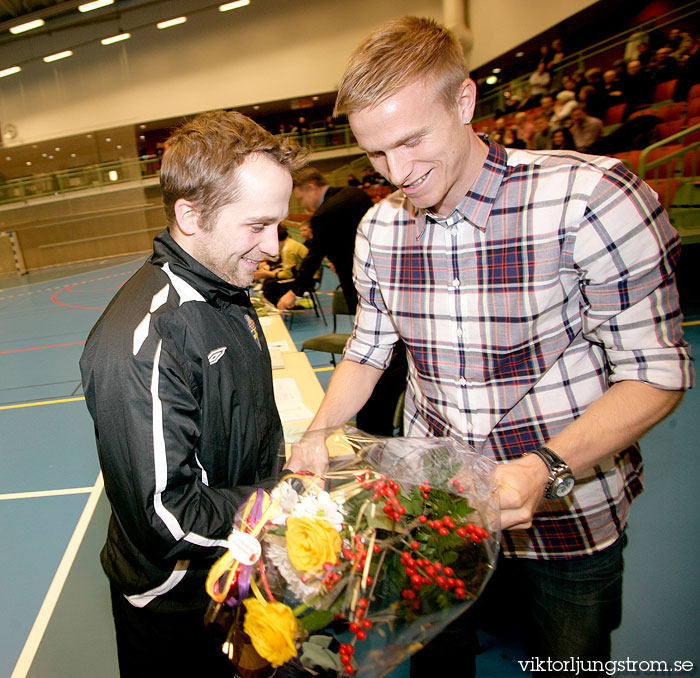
{"x": 536, "y": 296}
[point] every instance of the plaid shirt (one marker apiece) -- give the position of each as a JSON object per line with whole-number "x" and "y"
{"x": 551, "y": 280}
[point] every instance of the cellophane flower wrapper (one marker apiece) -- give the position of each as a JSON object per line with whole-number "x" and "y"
{"x": 398, "y": 543}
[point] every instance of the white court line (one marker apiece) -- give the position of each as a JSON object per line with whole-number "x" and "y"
{"x": 46, "y": 493}
{"x": 30, "y": 648}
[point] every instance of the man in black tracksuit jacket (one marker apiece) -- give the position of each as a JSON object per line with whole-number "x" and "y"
{"x": 177, "y": 378}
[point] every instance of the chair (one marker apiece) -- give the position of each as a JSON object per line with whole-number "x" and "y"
{"x": 691, "y": 163}
{"x": 311, "y": 295}
{"x": 614, "y": 115}
{"x": 664, "y": 90}
{"x": 693, "y": 136}
{"x": 694, "y": 92}
{"x": 333, "y": 343}
{"x": 630, "y": 158}
{"x": 665, "y": 189}
{"x": 665, "y": 170}
{"x": 668, "y": 129}
{"x": 693, "y": 108}
{"x": 671, "y": 111}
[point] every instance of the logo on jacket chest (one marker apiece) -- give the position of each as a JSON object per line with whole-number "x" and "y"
{"x": 252, "y": 329}
{"x": 216, "y": 354}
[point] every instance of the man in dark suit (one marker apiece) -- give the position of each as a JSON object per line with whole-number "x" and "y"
{"x": 337, "y": 212}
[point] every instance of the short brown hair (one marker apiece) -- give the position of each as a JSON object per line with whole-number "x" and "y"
{"x": 398, "y": 54}
{"x": 309, "y": 175}
{"x": 203, "y": 155}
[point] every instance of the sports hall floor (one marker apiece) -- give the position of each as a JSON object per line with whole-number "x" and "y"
{"x": 54, "y": 610}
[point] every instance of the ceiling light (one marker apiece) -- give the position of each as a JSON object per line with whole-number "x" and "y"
{"x": 108, "y": 139}
{"x": 113, "y": 175}
{"x": 30, "y": 25}
{"x": 28, "y": 163}
{"x": 57, "y": 149}
{"x": 496, "y": 70}
{"x": 7, "y": 157}
{"x": 57, "y": 56}
{"x": 233, "y": 5}
{"x": 115, "y": 38}
{"x": 73, "y": 155}
{"x": 491, "y": 80}
{"x": 50, "y": 157}
{"x": 519, "y": 55}
{"x": 10, "y": 71}
{"x": 89, "y": 6}
{"x": 172, "y": 22}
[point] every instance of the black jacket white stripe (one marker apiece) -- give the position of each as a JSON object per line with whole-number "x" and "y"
{"x": 177, "y": 378}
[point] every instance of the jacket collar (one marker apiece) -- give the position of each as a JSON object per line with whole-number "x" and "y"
{"x": 208, "y": 284}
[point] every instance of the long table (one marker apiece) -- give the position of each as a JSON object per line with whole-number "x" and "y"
{"x": 298, "y": 392}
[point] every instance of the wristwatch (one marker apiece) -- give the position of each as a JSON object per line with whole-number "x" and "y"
{"x": 561, "y": 479}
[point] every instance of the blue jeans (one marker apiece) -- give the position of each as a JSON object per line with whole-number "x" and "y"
{"x": 561, "y": 609}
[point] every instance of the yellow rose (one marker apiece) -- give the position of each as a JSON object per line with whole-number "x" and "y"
{"x": 272, "y": 628}
{"x": 311, "y": 542}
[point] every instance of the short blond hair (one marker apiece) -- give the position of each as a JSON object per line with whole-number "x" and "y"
{"x": 203, "y": 157}
{"x": 397, "y": 54}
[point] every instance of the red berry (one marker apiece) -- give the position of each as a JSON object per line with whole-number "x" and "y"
{"x": 415, "y": 545}
{"x": 349, "y": 668}
{"x": 440, "y": 581}
{"x": 361, "y": 635}
{"x": 366, "y": 624}
{"x": 462, "y": 532}
{"x": 408, "y": 594}
{"x": 354, "y": 627}
{"x": 448, "y": 571}
{"x": 460, "y": 593}
{"x": 444, "y": 531}
{"x": 422, "y": 519}
{"x": 363, "y": 602}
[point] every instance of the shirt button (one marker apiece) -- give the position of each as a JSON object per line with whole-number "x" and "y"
{"x": 455, "y": 282}
{"x": 462, "y": 381}
{"x": 469, "y": 427}
{"x": 459, "y": 332}
{"x": 453, "y": 230}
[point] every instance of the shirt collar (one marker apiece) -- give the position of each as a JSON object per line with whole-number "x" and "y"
{"x": 475, "y": 208}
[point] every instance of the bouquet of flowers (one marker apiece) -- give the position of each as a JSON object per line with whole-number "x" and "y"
{"x": 356, "y": 577}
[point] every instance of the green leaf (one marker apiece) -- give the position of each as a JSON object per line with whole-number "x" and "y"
{"x": 317, "y": 619}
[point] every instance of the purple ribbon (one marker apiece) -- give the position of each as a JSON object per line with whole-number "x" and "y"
{"x": 242, "y": 586}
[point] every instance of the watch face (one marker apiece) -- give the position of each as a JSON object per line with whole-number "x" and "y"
{"x": 562, "y": 486}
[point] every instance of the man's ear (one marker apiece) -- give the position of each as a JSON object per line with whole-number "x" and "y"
{"x": 466, "y": 100}
{"x": 186, "y": 217}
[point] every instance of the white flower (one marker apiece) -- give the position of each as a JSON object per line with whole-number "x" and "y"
{"x": 288, "y": 499}
{"x": 319, "y": 505}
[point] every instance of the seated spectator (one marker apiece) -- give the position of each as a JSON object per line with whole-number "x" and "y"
{"x": 542, "y": 139}
{"x": 547, "y": 106}
{"x": 680, "y": 43}
{"x": 306, "y": 233}
{"x": 585, "y": 129}
{"x": 644, "y": 54}
{"x": 690, "y": 72}
{"x": 499, "y": 127}
{"x": 275, "y": 282}
{"x": 663, "y": 67}
{"x": 637, "y": 86}
{"x": 564, "y": 103}
{"x": 510, "y": 139}
{"x": 635, "y": 40}
{"x": 612, "y": 88}
{"x": 524, "y": 129}
{"x": 540, "y": 81}
{"x": 353, "y": 180}
{"x": 562, "y": 140}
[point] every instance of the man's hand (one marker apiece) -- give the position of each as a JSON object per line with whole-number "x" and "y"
{"x": 521, "y": 484}
{"x": 287, "y": 301}
{"x": 309, "y": 454}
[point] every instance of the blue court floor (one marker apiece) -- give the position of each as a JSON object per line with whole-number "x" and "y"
{"x": 54, "y": 606}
